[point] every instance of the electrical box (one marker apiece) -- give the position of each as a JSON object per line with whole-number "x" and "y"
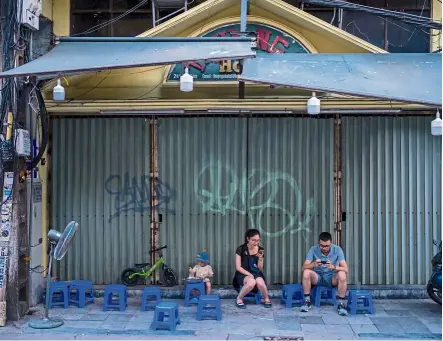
{"x": 31, "y": 10}
{"x": 22, "y": 142}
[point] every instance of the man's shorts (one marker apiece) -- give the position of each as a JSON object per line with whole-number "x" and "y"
{"x": 325, "y": 279}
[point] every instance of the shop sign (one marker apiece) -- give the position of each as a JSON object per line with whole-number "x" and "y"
{"x": 269, "y": 40}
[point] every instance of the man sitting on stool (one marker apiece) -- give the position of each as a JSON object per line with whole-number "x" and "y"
{"x": 325, "y": 265}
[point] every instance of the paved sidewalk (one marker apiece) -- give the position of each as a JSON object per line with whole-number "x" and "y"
{"x": 394, "y": 319}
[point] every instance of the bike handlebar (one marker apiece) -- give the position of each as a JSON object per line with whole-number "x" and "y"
{"x": 161, "y": 248}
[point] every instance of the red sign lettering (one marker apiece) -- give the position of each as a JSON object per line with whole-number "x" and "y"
{"x": 274, "y": 49}
{"x": 263, "y": 38}
{"x": 198, "y": 66}
{"x": 220, "y": 34}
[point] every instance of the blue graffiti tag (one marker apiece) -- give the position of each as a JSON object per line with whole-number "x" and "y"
{"x": 220, "y": 189}
{"x": 133, "y": 193}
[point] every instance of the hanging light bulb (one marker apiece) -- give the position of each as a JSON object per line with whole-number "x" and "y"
{"x": 186, "y": 82}
{"x": 58, "y": 93}
{"x": 313, "y": 105}
{"x": 436, "y": 125}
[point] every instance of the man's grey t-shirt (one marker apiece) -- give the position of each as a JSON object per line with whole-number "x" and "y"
{"x": 335, "y": 256}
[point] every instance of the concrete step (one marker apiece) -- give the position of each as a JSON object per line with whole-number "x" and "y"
{"x": 378, "y": 291}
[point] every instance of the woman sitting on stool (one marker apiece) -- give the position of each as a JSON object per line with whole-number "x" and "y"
{"x": 249, "y": 269}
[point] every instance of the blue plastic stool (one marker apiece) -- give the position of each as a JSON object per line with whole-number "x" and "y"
{"x": 58, "y": 294}
{"x": 363, "y": 296}
{"x": 189, "y": 287}
{"x": 150, "y": 297}
{"x": 323, "y": 294}
{"x": 252, "y": 296}
{"x": 84, "y": 292}
{"x": 209, "y": 306}
{"x": 292, "y": 293}
{"x": 120, "y": 303}
{"x": 169, "y": 310}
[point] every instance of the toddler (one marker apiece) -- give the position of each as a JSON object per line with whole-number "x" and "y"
{"x": 202, "y": 270}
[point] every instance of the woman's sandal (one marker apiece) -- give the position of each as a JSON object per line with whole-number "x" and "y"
{"x": 268, "y": 304}
{"x": 240, "y": 305}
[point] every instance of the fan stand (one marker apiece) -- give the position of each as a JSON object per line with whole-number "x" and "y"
{"x": 46, "y": 322}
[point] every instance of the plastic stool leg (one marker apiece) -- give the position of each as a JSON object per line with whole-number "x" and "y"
{"x": 199, "y": 310}
{"x": 172, "y": 320}
{"x": 258, "y": 297}
{"x": 371, "y": 305}
{"x": 122, "y": 300}
{"x": 156, "y": 319}
{"x": 143, "y": 302}
{"x": 66, "y": 298}
{"x": 334, "y": 297}
{"x": 354, "y": 305}
{"x": 218, "y": 309}
{"x": 318, "y": 293}
{"x": 81, "y": 297}
{"x": 177, "y": 316}
{"x": 186, "y": 298}
{"x": 289, "y": 294}
{"x": 348, "y": 304}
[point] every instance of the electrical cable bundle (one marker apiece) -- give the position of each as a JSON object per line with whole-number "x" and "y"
{"x": 45, "y": 128}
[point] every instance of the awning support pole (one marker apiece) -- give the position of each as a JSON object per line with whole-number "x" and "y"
{"x": 243, "y": 24}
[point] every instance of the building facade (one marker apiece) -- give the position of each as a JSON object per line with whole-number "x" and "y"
{"x": 140, "y": 164}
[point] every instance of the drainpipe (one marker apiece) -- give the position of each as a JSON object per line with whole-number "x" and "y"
{"x": 337, "y": 181}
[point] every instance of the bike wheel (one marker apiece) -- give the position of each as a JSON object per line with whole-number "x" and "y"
{"x": 169, "y": 277}
{"x": 125, "y": 277}
{"x": 434, "y": 293}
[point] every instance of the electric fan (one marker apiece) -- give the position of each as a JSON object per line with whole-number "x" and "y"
{"x": 59, "y": 243}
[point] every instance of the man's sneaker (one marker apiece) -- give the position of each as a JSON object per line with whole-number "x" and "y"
{"x": 341, "y": 309}
{"x": 306, "y": 306}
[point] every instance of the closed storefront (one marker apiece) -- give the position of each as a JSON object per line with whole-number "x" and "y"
{"x": 218, "y": 176}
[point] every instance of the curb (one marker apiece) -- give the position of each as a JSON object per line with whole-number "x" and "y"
{"x": 378, "y": 292}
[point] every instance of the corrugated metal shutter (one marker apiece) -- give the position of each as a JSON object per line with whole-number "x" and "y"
{"x": 200, "y": 160}
{"x": 392, "y": 196}
{"x": 100, "y": 171}
{"x": 224, "y": 175}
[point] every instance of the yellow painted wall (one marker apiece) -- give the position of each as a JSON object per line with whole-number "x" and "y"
{"x": 436, "y": 36}
{"x": 47, "y": 9}
{"x": 61, "y": 16}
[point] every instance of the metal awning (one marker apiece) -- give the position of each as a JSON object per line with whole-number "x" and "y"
{"x": 72, "y": 55}
{"x": 408, "y": 77}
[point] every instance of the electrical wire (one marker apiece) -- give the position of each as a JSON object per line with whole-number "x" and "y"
{"x": 89, "y": 90}
{"x": 109, "y": 22}
{"x": 333, "y": 17}
{"x": 415, "y": 29}
{"x": 113, "y": 20}
{"x": 358, "y": 29}
{"x": 39, "y": 272}
{"x": 405, "y": 17}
